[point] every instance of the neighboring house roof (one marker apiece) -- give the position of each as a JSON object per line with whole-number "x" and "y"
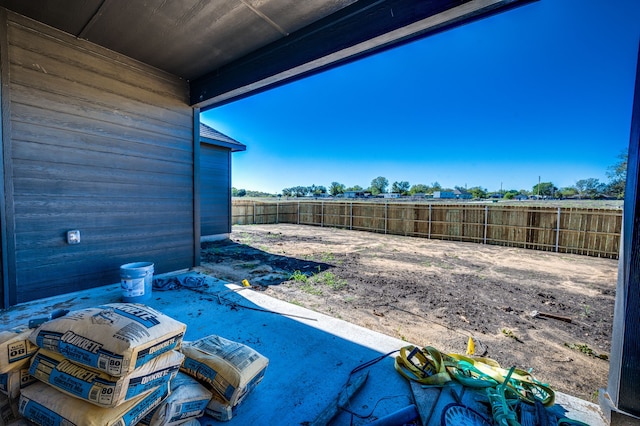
{"x": 212, "y": 136}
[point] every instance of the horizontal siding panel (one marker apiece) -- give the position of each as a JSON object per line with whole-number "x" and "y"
{"x": 150, "y": 172}
{"x": 98, "y": 236}
{"x": 88, "y": 204}
{"x": 46, "y": 188}
{"x": 54, "y": 255}
{"x": 35, "y": 116}
{"x": 109, "y": 106}
{"x": 172, "y": 154}
{"x": 92, "y": 59}
{"x": 45, "y": 282}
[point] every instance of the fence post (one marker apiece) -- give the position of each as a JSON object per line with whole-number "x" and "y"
{"x": 277, "y": 212}
{"x": 321, "y": 214}
{"x": 351, "y": 216}
{"x": 486, "y": 221}
{"x": 298, "y": 212}
{"x": 386, "y": 205}
{"x": 429, "y": 233}
{"x": 558, "y": 231}
{"x": 254, "y": 212}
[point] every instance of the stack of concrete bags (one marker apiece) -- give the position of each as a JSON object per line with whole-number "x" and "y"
{"x": 230, "y": 370}
{"x": 15, "y": 354}
{"x": 107, "y": 365}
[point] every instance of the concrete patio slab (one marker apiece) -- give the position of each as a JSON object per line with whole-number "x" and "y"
{"x": 310, "y": 355}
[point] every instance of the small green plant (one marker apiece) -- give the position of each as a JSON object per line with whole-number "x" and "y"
{"x": 445, "y": 266}
{"x": 327, "y": 257}
{"x": 585, "y": 349}
{"x": 329, "y": 279}
{"x": 349, "y": 299}
{"x": 299, "y": 277}
{"x": 510, "y": 334}
{"x": 587, "y": 310}
{"x": 246, "y": 239}
{"x": 311, "y": 289}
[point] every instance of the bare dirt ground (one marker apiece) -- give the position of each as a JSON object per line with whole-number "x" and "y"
{"x": 438, "y": 293}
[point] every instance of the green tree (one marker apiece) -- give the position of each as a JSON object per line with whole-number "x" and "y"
{"x": 318, "y": 190}
{"x": 589, "y": 188}
{"x": 544, "y": 189}
{"x": 241, "y": 193}
{"x": 336, "y": 188}
{"x": 379, "y": 185}
{"x": 617, "y": 175}
{"x": 354, "y": 188}
{"x": 478, "y": 192}
{"x": 418, "y": 189}
{"x": 435, "y": 186}
{"x": 568, "y": 191}
{"x": 400, "y": 187}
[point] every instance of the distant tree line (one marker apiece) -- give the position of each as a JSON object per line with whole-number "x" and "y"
{"x": 589, "y": 188}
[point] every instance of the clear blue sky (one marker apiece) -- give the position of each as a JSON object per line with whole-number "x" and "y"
{"x": 542, "y": 90}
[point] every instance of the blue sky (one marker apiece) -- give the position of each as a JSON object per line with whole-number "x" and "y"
{"x": 542, "y": 90}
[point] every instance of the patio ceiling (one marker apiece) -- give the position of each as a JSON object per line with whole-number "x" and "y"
{"x": 228, "y": 49}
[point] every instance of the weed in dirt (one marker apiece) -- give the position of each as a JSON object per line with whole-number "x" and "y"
{"x": 295, "y": 302}
{"x": 427, "y": 263}
{"x": 445, "y": 266}
{"x": 299, "y": 277}
{"x": 585, "y": 349}
{"x": 246, "y": 239}
{"x": 311, "y": 289}
{"x": 510, "y": 334}
{"x": 587, "y": 311}
{"x": 349, "y": 299}
{"x": 329, "y": 279}
{"x": 327, "y": 257}
{"x": 271, "y": 236}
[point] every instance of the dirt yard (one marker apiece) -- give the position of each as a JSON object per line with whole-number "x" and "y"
{"x": 438, "y": 293}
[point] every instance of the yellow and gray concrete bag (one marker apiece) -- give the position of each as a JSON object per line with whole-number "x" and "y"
{"x": 15, "y": 347}
{"x": 115, "y": 338}
{"x": 44, "y": 405}
{"x": 188, "y": 400}
{"x": 228, "y": 368}
{"x": 99, "y": 388}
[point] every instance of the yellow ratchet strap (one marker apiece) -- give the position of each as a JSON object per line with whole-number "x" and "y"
{"x": 429, "y": 366}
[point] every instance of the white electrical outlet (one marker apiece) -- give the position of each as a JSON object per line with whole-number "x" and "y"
{"x": 73, "y": 237}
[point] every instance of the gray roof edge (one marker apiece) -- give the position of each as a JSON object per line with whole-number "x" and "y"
{"x": 213, "y": 137}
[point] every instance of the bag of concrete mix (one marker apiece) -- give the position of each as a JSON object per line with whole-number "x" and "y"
{"x": 44, "y": 405}
{"x": 219, "y": 409}
{"x": 9, "y": 413}
{"x": 99, "y": 388}
{"x": 187, "y": 401}
{"x": 16, "y": 378}
{"x": 115, "y": 338}
{"x": 15, "y": 347}
{"x": 228, "y": 368}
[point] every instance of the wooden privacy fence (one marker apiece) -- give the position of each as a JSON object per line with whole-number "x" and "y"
{"x": 590, "y": 232}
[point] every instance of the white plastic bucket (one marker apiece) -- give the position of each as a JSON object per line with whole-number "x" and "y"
{"x": 136, "y": 280}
